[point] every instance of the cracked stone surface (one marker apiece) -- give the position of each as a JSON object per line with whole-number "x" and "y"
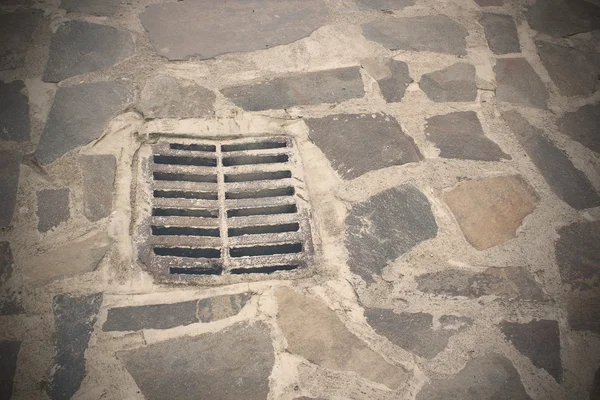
{"x": 500, "y": 33}
{"x": 9, "y": 351}
{"x": 14, "y": 111}
{"x": 98, "y": 185}
{"x": 583, "y": 126}
{"x": 52, "y": 208}
{"x": 392, "y": 76}
{"x": 16, "y": 30}
{"x": 518, "y": 83}
{"x": 560, "y": 18}
{"x": 10, "y": 167}
{"x": 104, "y": 8}
{"x": 453, "y": 83}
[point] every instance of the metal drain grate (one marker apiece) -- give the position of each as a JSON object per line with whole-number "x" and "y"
{"x": 233, "y": 207}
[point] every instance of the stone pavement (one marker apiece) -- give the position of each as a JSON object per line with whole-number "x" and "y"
{"x": 451, "y": 156}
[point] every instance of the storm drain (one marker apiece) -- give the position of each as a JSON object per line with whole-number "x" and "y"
{"x": 233, "y": 207}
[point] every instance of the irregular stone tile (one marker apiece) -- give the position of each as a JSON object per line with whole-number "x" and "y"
{"x": 168, "y": 97}
{"x": 155, "y": 316}
{"x": 331, "y": 86}
{"x": 577, "y": 253}
{"x": 14, "y": 112}
{"x": 10, "y": 301}
{"x": 460, "y": 135}
{"x": 315, "y": 332}
{"x": 435, "y": 33}
{"x": 384, "y": 4}
{"x": 105, "y": 8}
{"x": 538, "y": 340}
{"x": 414, "y": 331}
{"x": 595, "y": 389}
{"x": 98, "y": 185}
{"x": 391, "y": 75}
{"x": 79, "y": 47}
{"x": 567, "y": 182}
{"x": 205, "y": 365}
{"x": 489, "y": 211}
{"x": 583, "y": 308}
{"x": 220, "y": 307}
{"x": 490, "y": 377}
{"x": 79, "y": 115}
{"x": 517, "y": 83}
{"x": 489, "y": 3}
{"x": 453, "y": 83}
{"x": 385, "y": 227}
{"x": 206, "y": 29}
{"x": 6, "y": 262}
{"x": 74, "y": 319}
{"x": 10, "y": 167}
{"x": 500, "y": 33}
{"x": 15, "y": 35}
{"x": 583, "y": 126}
{"x": 9, "y": 351}
{"x": 52, "y": 208}
{"x": 561, "y": 18}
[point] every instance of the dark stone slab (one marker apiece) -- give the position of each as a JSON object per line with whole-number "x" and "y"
{"x": 538, "y": 340}
{"x": 10, "y": 301}
{"x": 185, "y": 367}
{"x": 453, "y": 83}
{"x": 595, "y": 389}
{"x": 220, "y": 307}
{"x": 500, "y": 33}
{"x": 358, "y": 143}
{"x": 206, "y": 29}
{"x": 104, "y": 8}
{"x": 435, "y": 33}
{"x": 74, "y": 319}
{"x": 155, "y": 316}
{"x": 52, "y": 208}
{"x": 9, "y": 352}
{"x": 98, "y": 185}
{"x": 10, "y": 167}
{"x": 79, "y": 115}
{"x": 517, "y": 83}
{"x": 460, "y": 135}
{"x": 490, "y": 377}
{"x": 489, "y": 3}
{"x": 14, "y": 112}
{"x": 583, "y": 126}
{"x": 383, "y": 5}
{"x": 331, "y": 86}
{"x": 577, "y": 253}
{"x": 561, "y": 18}
{"x": 6, "y": 262}
{"x": 15, "y": 35}
{"x": 583, "y": 308}
{"x": 386, "y": 226}
{"x": 567, "y": 182}
{"x": 79, "y": 47}
{"x": 392, "y": 77}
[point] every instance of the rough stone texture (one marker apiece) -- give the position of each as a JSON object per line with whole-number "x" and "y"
{"x": 10, "y": 167}
{"x": 386, "y": 226}
{"x": 14, "y": 112}
{"x": 414, "y": 331}
{"x": 6, "y": 262}
{"x": 583, "y": 307}
{"x": 384, "y": 4}
{"x": 15, "y": 34}
{"x": 203, "y": 28}
{"x": 220, "y": 307}
{"x": 79, "y": 115}
{"x": 79, "y": 47}
{"x": 453, "y": 83}
{"x": 583, "y": 126}
{"x": 9, "y": 351}
{"x": 435, "y": 33}
{"x": 52, "y": 208}
{"x": 489, "y": 211}
{"x": 10, "y": 301}
{"x": 561, "y": 18}
{"x": 315, "y": 332}
{"x": 98, "y": 185}
{"x": 500, "y": 33}
{"x": 490, "y": 377}
{"x": 567, "y": 182}
{"x": 507, "y": 283}
{"x": 105, "y": 8}
{"x": 228, "y": 365}
{"x": 518, "y": 83}
{"x": 391, "y": 75}
{"x": 595, "y": 389}
{"x": 330, "y": 86}
{"x": 538, "y": 340}
{"x": 74, "y": 319}
{"x": 490, "y": 3}
{"x": 460, "y": 135}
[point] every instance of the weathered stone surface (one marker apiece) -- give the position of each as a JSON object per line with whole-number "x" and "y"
{"x": 391, "y": 75}
{"x": 220, "y": 307}
{"x": 79, "y": 115}
{"x": 10, "y": 301}
{"x": 577, "y": 253}
{"x": 414, "y": 331}
{"x": 384, "y": 4}
{"x": 567, "y": 182}
{"x": 583, "y": 307}
{"x": 74, "y": 319}
{"x": 560, "y": 18}
{"x": 229, "y": 365}
{"x": 14, "y": 112}
{"x": 538, "y": 340}
{"x": 489, "y": 211}
{"x": 453, "y": 83}
{"x": 490, "y": 377}
{"x": 435, "y": 33}
{"x": 315, "y": 332}
{"x": 105, "y": 8}
{"x": 9, "y": 351}
{"x": 583, "y": 126}
{"x": 79, "y": 47}
{"x": 52, "y": 208}
{"x": 517, "y": 83}
{"x": 98, "y": 185}
{"x": 6, "y": 262}
{"x": 206, "y": 29}
{"x": 385, "y": 227}
{"x": 595, "y": 389}
{"x": 10, "y": 167}
{"x": 500, "y": 33}
{"x": 490, "y": 3}
{"x": 460, "y": 135}
{"x": 331, "y": 86}
{"x": 15, "y": 34}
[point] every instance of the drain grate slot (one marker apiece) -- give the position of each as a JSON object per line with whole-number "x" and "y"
{"x": 196, "y": 271}
{"x": 208, "y": 148}
{"x": 185, "y": 160}
{"x": 179, "y": 194}
{"x": 179, "y": 212}
{"x": 251, "y": 160}
{"x": 187, "y": 252}
{"x": 266, "y": 250}
{"x": 263, "y": 229}
{"x": 267, "y": 145}
{"x": 169, "y": 176}
{"x": 263, "y": 270}
{"x": 247, "y": 212}
{"x": 257, "y": 176}
{"x": 284, "y": 191}
{"x": 184, "y": 231}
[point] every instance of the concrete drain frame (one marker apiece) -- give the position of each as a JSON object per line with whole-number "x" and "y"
{"x": 216, "y": 211}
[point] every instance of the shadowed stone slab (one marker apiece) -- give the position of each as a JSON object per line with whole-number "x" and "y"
{"x": 331, "y": 86}
{"x": 358, "y": 143}
{"x": 567, "y": 182}
{"x": 384, "y": 4}
{"x": 489, "y": 211}
{"x": 98, "y": 185}
{"x": 517, "y": 83}
{"x": 52, "y": 208}
{"x": 490, "y": 3}
{"x": 583, "y": 126}
{"x": 10, "y": 301}
{"x": 385, "y": 227}
{"x": 391, "y": 75}
{"x": 577, "y": 253}
{"x": 561, "y": 18}
{"x": 10, "y": 167}
{"x": 206, "y": 29}
{"x": 15, "y": 35}
{"x": 79, "y": 115}
{"x": 220, "y": 307}
{"x": 6, "y": 262}
{"x": 79, "y": 47}
{"x": 453, "y": 83}
{"x": 490, "y": 377}
{"x": 316, "y": 333}
{"x": 500, "y": 33}
{"x": 229, "y": 365}
{"x": 583, "y": 307}
{"x": 595, "y": 389}
{"x": 538, "y": 340}
{"x": 105, "y": 8}
{"x": 74, "y": 319}
{"x": 435, "y": 33}
{"x": 9, "y": 351}
{"x": 460, "y": 135}
{"x": 14, "y": 112}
